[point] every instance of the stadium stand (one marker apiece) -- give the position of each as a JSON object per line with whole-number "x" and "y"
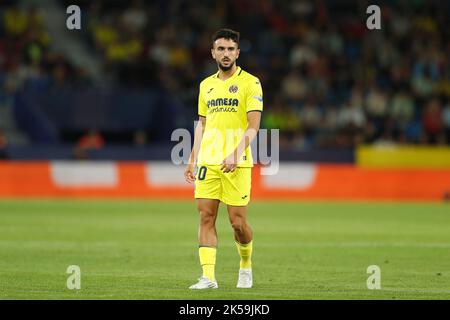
{"x": 329, "y": 82}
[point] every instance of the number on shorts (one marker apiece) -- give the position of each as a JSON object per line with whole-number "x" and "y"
{"x": 201, "y": 173}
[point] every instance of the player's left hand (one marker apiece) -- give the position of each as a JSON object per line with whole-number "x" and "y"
{"x": 229, "y": 164}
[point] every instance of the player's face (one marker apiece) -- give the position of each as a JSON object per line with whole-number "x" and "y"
{"x": 225, "y": 52}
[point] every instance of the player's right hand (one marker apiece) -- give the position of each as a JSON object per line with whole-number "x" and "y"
{"x": 189, "y": 173}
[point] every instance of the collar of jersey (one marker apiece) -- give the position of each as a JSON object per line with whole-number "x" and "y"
{"x": 235, "y": 74}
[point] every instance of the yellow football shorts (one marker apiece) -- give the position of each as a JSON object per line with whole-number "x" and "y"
{"x": 232, "y": 188}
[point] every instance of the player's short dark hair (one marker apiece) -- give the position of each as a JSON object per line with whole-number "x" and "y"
{"x": 226, "y": 34}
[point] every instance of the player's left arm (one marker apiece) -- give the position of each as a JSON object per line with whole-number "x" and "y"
{"x": 254, "y": 105}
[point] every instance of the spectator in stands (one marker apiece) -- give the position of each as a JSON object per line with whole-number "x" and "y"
{"x": 402, "y": 107}
{"x": 15, "y": 21}
{"x": 135, "y": 19}
{"x": 423, "y": 84}
{"x": 352, "y": 121}
{"x": 280, "y": 116}
{"x": 402, "y": 112}
{"x": 310, "y": 115}
{"x": 294, "y": 85}
{"x": 351, "y": 115}
{"x": 376, "y": 103}
{"x": 433, "y": 122}
{"x": 92, "y": 140}
{"x": 327, "y": 128}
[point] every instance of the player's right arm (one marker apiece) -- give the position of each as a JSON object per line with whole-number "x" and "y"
{"x": 199, "y": 130}
{"x": 190, "y": 168}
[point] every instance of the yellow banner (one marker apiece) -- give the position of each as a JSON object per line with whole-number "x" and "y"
{"x": 403, "y": 157}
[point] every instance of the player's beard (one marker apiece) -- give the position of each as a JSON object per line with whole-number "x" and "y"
{"x": 224, "y": 68}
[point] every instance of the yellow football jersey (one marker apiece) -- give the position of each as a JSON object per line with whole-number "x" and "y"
{"x": 225, "y": 104}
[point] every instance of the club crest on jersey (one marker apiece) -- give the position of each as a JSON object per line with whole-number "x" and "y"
{"x": 233, "y": 89}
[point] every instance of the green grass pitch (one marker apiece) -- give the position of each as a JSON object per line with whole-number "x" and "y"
{"x": 148, "y": 250}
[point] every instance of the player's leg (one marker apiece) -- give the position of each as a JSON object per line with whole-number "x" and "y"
{"x": 207, "y": 240}
{"x": 207, "y": 236}
{"x": 243, "y": 235}
{"x": 236, "y": 195}
{"x": 207, "y": 233}
{"x": 207, "y": 193}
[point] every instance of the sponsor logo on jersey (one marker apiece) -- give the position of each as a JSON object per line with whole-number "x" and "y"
{"x": 223, "y": 102}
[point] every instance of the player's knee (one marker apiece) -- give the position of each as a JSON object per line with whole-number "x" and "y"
{"x": 238, "y": 224}
{"x": 207, "y": 217}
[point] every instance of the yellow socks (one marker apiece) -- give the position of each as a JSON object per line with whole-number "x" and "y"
{"x": 208, "y": 261}
{"x": 208, "y": 258}
{"x": 245, "y": 251}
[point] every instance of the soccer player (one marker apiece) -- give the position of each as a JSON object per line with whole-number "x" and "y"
{"x": 229, "y": 107}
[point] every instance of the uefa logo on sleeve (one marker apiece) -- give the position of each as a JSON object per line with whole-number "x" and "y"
{"x": 233, "y": 89}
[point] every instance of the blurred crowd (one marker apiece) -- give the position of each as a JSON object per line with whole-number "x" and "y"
{"x": 327, "y": 79}
{"x": 26, "y": 58}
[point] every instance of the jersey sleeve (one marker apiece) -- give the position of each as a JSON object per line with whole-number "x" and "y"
{"x": 201, "y": 104}
{"x": 254, "y": 96}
